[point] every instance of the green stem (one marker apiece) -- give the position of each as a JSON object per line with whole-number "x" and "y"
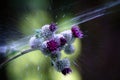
{"x": 22, "y": 53}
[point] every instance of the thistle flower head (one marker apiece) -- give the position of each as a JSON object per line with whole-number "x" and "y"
{"x": 44, "y": 49}
{"x": 67, "y": 35}
{"x": 69, "y": 49}
{"x": 66, "y": 71}
{"x": 76, "y": 32}
{"x": 46, "y": 32}
{"x": 62, "y": 41}
{"x": 53, "y": 27}
{"x": 62, "y": 64}
{"x": 52, "y": 45}
{"x": 35, "y": 42}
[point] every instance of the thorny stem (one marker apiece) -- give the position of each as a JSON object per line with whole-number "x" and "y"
{"x": 22, "y": 53}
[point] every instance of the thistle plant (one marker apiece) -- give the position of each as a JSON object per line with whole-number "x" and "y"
{"x": 50, "y": 43}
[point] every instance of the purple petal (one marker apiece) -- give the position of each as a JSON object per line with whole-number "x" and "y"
{"x": 66, "y": 71}
{"x": 52, "y": 27}
{"x": 76, "y": 32}
{"x": 62, "y": 41}
{"x": 52, "y": 45}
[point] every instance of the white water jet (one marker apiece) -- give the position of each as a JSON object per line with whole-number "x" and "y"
{"x": 92, "y": 13}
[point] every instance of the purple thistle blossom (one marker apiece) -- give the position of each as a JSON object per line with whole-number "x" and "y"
{"x": 76, "y": 32}
{"x": 66, "y": 71}
{"x": 52, "y": 45}
{"x": 62, "y": 41}
{"x": 52, "y": 27}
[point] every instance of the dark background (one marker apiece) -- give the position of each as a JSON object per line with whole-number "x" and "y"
{"x": 100, "y": 58}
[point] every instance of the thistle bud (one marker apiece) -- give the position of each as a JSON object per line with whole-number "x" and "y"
{"x": 60, "y": 65}
{"x": 66, "y": 71}
{"x": 60, "y": 39}
{"x": 69, "y": 49}
{"x": 44, "y": 49}
{"x": 45, "y": 32}
{"x": 35, "y": 42}
{"x": 48, "y": 31}
{"x": 68, "y": 35}
{"x": 53, "y": 27}
{"x": 76, "y": 32}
